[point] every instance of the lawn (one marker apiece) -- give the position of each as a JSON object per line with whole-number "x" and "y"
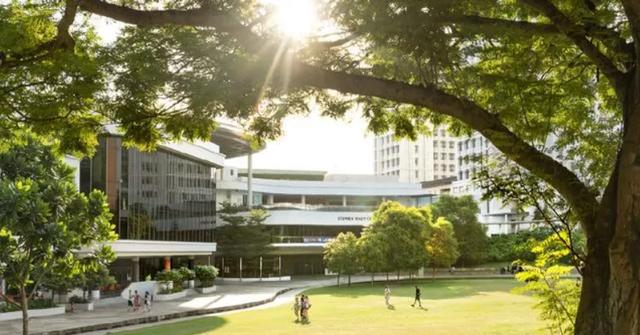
{"x": 482, "y": 306}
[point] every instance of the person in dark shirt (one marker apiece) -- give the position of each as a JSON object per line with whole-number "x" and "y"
{"x": 417, "y": 299}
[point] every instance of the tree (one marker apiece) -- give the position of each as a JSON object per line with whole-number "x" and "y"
{"x": 341, "y": 255}
{"x": 462, "y": 212}
{"x": 44, "y": 220}
{"x": 372, "y": 253}
{"x": 243, "y": 236}
{"x": 442, "y": 246}
{"x": 546, "y": 279}
{"x": 518, "y": 72}
{"x": 403, "y": 233}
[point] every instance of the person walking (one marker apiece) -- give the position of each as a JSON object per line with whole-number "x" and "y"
{"x": 136, "y": 301}
{"x": 387, "y": 295}
{"x": 297, "y": 307}
{"x": 304, "y": 311}
{"x": 147, "y": 301}
{"x": 417, "y": 298}
{"x": 130, "y": 302}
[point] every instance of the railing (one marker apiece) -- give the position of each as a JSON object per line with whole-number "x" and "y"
{"x": 322, "y": 208}
{"x": 301, "y": 239}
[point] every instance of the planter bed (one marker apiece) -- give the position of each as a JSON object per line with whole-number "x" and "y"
{"x": 170, "y": 296}
{"x": 33, "y": 313}
{"x": 206, "y": 290}
{"x": 81, "y": 307}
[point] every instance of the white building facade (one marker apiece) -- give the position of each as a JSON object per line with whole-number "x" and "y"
{"x": 306, "y": 214}
{"x": 428, "y": 158}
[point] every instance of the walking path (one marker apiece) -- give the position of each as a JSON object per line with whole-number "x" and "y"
{"x": 229, "y": 297}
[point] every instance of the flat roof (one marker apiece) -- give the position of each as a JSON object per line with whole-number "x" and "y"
{"x": 285, "y": 174}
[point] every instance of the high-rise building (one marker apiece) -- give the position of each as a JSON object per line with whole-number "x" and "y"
{"x": 473, "y": 153}
{"x": 428, "y": 158}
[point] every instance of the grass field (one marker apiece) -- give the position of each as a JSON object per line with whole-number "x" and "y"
{"x": 483, "y": 306}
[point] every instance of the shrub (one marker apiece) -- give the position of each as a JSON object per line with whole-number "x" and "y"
{"x": 173, "y": 276}
{"x": 187, "y": 274}
{"x": 206, "y": 274}
{"x": 33, "y": 304}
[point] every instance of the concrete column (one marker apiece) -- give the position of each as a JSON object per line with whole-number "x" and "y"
{"x": 167, "y": 263}
{"x": 240, "y": 269}
{"x": 270, "y": 199}
{"x": 250, "y": 180}
{"x": 344, "y": 201}
{"x": 135, "y": 263}
{"x": 260, "y": 267}
{"x": 279, "y": 266}
{"x": 303, "y": 199}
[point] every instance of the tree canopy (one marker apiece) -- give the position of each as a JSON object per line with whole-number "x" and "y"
{"x": 45, "y": 221}
{"x": 462, "y": 213}
{"x": 341, "y": 255}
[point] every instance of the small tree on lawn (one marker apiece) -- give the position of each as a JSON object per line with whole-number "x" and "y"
{"x": 371, "y": 253}
{"x": 442, "y": 246}
{"x": 404, "y": 231}
{"x": 44, "y": 220}
{"x": 462, "y": 212}
{"x": 341, "y": 255}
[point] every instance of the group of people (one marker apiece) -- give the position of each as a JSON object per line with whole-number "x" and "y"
{"x": 137, "y": 302}
{"x": 301, "y": 307}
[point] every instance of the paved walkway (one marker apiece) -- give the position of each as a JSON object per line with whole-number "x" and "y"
{"x": 228, "y": 297}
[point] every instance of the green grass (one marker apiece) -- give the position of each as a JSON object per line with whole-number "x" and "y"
{"x": 453, "y": 307}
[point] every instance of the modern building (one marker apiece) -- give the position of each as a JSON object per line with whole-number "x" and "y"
{"x": 428, "y": 158}
{"x": 163, "y": 202}
{"x": 305, "y": 213}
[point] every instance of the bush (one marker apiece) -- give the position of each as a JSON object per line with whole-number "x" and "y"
{"x": 512, "y": 247}
{"x": 187, "y": 274}
{"x": 173, "y": 276}
{"x": 171, "y": 290}
{"x": 206, "y": 274}
{"x": 78, "y": 300}
{"x": 33, "y": 304}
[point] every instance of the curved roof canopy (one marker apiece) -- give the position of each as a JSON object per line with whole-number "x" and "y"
{"x": 231, "y": 140}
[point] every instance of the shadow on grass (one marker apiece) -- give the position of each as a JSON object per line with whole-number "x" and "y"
{"x": 187, "y": 327}
{"x": 431, "y": 289}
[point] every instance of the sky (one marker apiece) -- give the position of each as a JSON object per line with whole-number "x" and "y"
{"x": 318, "y": 143}
{"x": 308, "y": 142}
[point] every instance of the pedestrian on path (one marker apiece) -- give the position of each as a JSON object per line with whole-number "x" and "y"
{"x": 136, "y": 301}
{"x": 296, "y": 307}
{"x": 147, "y": 301}
{"x": 130, "y": 302}
{"x": 417, "y": 298}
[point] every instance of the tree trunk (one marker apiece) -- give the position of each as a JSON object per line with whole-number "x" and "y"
{"x": 338, "y": 279}
{"x": 349, "y": 280}
{"x": 24, "y": 303}
{"x": 433, "y": 273}
{"x": 610, "y": 297}
{"x": 372, "y": 274}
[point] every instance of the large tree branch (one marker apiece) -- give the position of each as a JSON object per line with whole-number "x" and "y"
{"x": 578, "y": 35}
{"x": 199, "y": 17}
{"x": 581, "y": 199}
{"x": 62, "y": 40}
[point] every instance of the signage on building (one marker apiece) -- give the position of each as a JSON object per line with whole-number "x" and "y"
{"x": 354, "y": 218}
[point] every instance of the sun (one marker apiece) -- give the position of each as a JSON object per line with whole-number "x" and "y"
{"x": 296, "y": 19}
